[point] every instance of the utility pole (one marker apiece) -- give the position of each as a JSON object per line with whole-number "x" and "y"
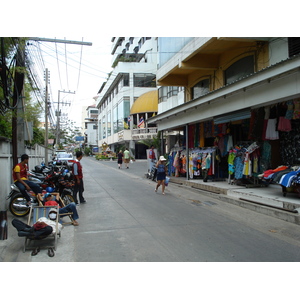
{"x": 17, "y": 121}
{"x": 58, "y": 115}
{"x": 46, "y": 116}
{"x": 46, "y": 108}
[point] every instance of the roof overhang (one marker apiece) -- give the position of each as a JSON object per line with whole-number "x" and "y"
{"x": 199, "y": 55}
{"x": 265, "y": 81}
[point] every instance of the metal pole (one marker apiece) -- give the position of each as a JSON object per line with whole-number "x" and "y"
{"x": 46, "y": 118}
{"x": 187, "y": 151}
{"x": 60, "y": 41}
{"x": 57, "y": 122}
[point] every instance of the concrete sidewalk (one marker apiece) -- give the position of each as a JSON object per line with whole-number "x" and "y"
{"x": 270, "y": 195}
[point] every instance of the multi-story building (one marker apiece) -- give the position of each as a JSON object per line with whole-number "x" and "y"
{"x": 227, "y": 94}
{"x": 129, "y": 97}
{"x": 91, "y": 127}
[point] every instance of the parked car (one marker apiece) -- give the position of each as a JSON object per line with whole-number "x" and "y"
{"x": 64, "y": 158}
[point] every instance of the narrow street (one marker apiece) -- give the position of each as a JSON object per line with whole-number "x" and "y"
{"x": 124, "y": 220}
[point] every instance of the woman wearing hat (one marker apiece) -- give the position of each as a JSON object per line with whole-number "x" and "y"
{"x": 161, "y": 174}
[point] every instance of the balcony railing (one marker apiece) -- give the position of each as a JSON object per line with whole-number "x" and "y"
{"x": 144, "y": 133}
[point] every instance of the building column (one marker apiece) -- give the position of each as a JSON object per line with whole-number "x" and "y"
{"x": 187, "y": 151}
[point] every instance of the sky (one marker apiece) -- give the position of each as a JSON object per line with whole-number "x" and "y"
{"x": 76, "y": 72}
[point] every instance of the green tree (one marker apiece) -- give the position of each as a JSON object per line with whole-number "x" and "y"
{"x": 156, "y": 142}
{"x": 32, "y": 111}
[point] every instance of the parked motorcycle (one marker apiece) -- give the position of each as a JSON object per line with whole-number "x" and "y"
{"x": 18, "y": 203}
{"x": 55, "y": 182}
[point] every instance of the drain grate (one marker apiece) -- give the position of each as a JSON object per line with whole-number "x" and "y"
{"x": 209, "y": 203}
{"x": 196, "y": 202}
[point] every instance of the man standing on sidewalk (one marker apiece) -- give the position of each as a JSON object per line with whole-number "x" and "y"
{"x": 152, "y": 157}
{"x": 78, "y": 175}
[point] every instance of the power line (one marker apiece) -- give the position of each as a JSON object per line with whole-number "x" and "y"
{"x": 66, "y": 66}
{"x": 79, "y": 66}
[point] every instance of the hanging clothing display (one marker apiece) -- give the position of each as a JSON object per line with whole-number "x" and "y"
{"x": 271, "y": 130}
{"x": 242, "y": 160}
{"x": 284, "y": 124}
{"x": 201, "y": 160}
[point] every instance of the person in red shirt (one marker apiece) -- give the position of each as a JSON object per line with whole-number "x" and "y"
{"x": 20, "y": 178}
{"x": 52, "y": 200}
{"x": 152, "y": 157}
{"x": 77, "y": 172}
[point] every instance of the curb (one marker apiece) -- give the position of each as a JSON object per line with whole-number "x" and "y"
{"x": 289, "y": 214}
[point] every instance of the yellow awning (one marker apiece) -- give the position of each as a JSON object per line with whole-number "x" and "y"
{"x": 147, "y": 102}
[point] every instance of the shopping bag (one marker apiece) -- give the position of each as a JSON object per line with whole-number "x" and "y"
{"x": 167, "y": 181}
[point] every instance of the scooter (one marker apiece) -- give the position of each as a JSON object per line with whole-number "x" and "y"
{"x": 18, "y": 203}
{"x": 152, "y": 173}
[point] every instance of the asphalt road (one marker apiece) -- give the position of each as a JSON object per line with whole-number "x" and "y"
{"x": 124, "y": 220}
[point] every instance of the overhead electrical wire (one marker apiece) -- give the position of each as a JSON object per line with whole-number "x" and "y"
{"x": 79, "y": 66}
{"x": 66, "y": 66}
{"x": 58, "y": 65}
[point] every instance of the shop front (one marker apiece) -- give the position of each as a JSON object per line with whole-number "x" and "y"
{"x": 241, "y": 147}
{"x": 238, "y": 132}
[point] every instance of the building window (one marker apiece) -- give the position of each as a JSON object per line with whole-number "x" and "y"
{"x": 99, "y": 128}
{"x": 294, "y": 46}
{"x": 104, "y": 127}
{"x": 115, "y": 119}
{"x": 239, "y": 69}
{"x": 123, "y": 112}
{"x": 201, "y": 88}
{"x": 162, "y": 94}
{"x": 144, "y": 80}
{"x": 136, "y": 49}
{"x": 172, "y": 91}
{"x": 109, "y": 123}
{"x": 126, "y": 79}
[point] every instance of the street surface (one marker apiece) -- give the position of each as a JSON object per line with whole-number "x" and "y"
{"x": 124, "y": 220}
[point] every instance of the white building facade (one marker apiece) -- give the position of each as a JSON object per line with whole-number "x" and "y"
{"x": 91, "y": 127}
{"x": 134, "y": 62}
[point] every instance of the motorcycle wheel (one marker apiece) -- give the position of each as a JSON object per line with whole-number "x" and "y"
{"x": 17, "y": 205}
{"x": 68, "y": 199}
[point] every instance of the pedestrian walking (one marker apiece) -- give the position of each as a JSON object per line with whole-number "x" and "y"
{"x": 161, "y": 174}
{"x": 77, "y": 172}
{"x": 126, "y": 158}
{"x": 120, "y": 159}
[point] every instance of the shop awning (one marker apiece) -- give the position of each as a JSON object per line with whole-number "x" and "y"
{"x": 147, "y": 102}
{"x": 239, "y": 115}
